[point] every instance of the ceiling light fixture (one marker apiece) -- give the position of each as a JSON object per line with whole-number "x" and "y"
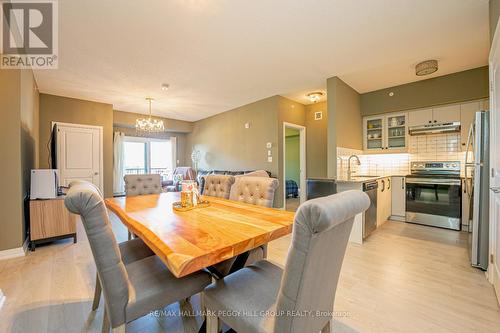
{"x": 149, "y": 125}
{"x": 165, "y": 86}
{"x": 315, "y": 96}
{"x": 426, "y": 67}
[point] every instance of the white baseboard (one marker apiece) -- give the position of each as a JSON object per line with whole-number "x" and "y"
{"x": 495, "y": 279}
{"x": 2, "y": 298}
{"x": 13, "y": 253}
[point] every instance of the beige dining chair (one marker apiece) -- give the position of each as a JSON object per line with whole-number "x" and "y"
{"x": 218, "y": 185}
{"x": 130, "y": 290}
{"x": 307, "y": 285}
{"x": 142, "y": 185}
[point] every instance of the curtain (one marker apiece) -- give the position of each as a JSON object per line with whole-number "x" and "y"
{"x": 118, "y": 158}
{"x": 173, "y": 143}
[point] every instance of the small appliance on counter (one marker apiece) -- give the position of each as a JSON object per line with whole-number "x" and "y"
{"x": 44, "y": 184}
{"x": 434, "y": 194}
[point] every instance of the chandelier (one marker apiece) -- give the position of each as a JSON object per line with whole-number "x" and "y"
{"x": 149, "y": 125}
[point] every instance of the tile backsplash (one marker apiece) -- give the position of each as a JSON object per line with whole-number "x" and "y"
{"x": 436, "y": 147}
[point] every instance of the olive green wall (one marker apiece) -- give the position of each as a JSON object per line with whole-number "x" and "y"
{"x": 225, "y": 143}
{"x": 125, "y": 122}
{"x": 452, "y": 88}
{"x": 494, "y": 14}
{"x": 316, "y": 141}
{"x": 19, "y": 137}
{"x": 292, "y": 157}
{"x": 344, "y": 121}
{"x": 77, "y": 111}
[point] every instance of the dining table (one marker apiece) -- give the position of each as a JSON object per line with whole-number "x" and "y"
{"x": 191, "y": 240}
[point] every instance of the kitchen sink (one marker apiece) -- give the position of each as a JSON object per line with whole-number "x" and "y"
{"x": 364, "y": 176}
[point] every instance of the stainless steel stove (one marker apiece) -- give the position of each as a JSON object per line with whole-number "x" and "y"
{"x": 433, "y": 194}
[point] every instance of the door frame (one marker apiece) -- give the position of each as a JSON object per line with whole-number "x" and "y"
{"x": 101, "y": 146}
{"x": 302, "y": 163}
{"x": 493, "y": 269}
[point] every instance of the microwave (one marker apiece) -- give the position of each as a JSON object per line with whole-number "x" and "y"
{"x": 44, "y": 183}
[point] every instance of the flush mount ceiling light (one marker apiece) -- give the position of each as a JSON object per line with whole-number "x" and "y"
{"x": 426, "y": 67}
{"x": 165, "y": 86}
{"x": 149, "y": 125}
{"x": 315, "y": 96}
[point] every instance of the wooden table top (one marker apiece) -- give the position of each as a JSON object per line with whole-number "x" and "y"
{"x": 192, "y": 240}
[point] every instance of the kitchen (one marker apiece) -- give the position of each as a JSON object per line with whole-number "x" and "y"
{"x": 418, "y": 166}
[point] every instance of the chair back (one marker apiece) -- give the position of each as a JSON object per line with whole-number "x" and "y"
{"x": 218, "y": 186}
{"x": 320, "y": 234}
{"x": 84, "y": 199}
{"x": 142, "y": 184}
{"x": 254, "y": 190}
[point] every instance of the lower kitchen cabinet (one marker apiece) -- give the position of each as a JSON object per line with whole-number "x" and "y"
{"x": 384, "y": 200}
{"x": 398, "y": 189}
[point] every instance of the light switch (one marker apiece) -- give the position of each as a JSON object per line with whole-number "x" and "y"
{"x": 270, "y": 159}
{"x": 247, "y": 125}
{"x": 268, "y": 153}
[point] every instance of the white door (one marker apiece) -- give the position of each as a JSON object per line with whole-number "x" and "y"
{"x": 79, "y": 153}
{"x": 494, "y": 60}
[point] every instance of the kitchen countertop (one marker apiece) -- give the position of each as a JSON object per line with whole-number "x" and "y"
{"x": 360, "y": 179}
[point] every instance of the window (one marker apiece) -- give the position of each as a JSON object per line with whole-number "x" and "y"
{"x": 144, "y": 155}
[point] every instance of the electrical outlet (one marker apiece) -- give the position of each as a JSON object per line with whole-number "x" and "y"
{"x": 270, "y": 159}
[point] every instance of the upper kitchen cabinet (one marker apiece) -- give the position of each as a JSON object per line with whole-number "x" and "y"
{"x": 467, "y": 112}
{"x": 420, "y": 117}
{"x": 442, "y": 114}
{"x": 446, "y": 114}
{"x": 385, "y": 132}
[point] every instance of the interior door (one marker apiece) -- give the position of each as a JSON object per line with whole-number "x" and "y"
{"x": 79, "y": 154}
{"x": 494, "y": 62}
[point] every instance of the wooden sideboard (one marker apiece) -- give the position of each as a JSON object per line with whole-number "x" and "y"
{"x": 49, "y": 221}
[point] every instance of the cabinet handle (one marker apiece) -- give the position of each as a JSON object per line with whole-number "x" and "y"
{"x": 435, "y": 121}
{"x": 383, "y": 185}
{"x": 388, "y": 183}
{"x": 403, "y": 183}
{"x": 430, "y": 121}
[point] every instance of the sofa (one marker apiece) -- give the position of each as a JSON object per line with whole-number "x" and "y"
{"x": 173, "y": 185}
{"x": 202, "y": 173}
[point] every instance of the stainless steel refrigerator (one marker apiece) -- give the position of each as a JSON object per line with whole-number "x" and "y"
{"x": 476, "y": 167}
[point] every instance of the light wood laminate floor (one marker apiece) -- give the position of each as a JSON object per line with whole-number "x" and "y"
{"x": 405, "y": 278}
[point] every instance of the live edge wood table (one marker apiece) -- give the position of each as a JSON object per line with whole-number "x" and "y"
{"x": 189, "y": 241}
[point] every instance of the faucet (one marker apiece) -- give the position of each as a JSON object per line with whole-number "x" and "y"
{"x": 349, "y": 172}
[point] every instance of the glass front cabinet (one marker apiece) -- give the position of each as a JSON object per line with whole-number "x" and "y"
{"x": 387, "y": 132}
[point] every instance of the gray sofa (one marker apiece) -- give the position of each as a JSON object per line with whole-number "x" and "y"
{"x": 200, "y": 177}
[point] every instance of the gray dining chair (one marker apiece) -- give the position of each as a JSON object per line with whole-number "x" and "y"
{"x": 130, "y": 290}
{"x": 254, "y": 190}
{"x": 308, "y": 282}
{"x": 218, "y": 185}
{"x": 142, "y": 185}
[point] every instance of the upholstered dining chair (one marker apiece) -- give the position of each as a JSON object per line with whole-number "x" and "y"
{"x": 142, "y": 185}
{"x": 130, "y": 290}
{"x": 305, "y": 287}
{"x": 218, "y": 186}
{"x": 254, "y": 190}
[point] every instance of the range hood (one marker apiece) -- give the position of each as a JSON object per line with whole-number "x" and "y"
{"x": 435, "y": 128}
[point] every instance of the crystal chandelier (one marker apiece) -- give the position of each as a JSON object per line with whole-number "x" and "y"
{"x": 149, "y": 125}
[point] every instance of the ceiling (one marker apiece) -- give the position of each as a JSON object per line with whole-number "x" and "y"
{"x": 218, "y": 55}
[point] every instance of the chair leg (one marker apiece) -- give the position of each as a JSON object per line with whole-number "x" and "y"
{"x": 212, "y": 323}
{"x": 97, "y": 293}
{"x": 328, "y": 327}
{"x": 119, "y": 329}
{"x": 129, "y": 235}
{"x": 105, "y": 321}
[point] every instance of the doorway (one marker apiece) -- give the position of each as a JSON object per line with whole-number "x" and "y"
{"x": 294, "y": 165}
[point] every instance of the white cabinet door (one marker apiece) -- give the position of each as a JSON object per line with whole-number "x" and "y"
{"x": 420, "y": 117}
{"x": 388, "y": 198}
{"x": 398, "y": 194}
{"x": 396, "y": 131}
{"x": 446, "y": 114}
{"x": 79, "y": 154}
{"x": 383, "y": 201}
{"x": 374, "y": 133}
{"x": 467, "y": 113}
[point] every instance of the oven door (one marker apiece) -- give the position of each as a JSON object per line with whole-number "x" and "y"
{"x": 434, "y": 201}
